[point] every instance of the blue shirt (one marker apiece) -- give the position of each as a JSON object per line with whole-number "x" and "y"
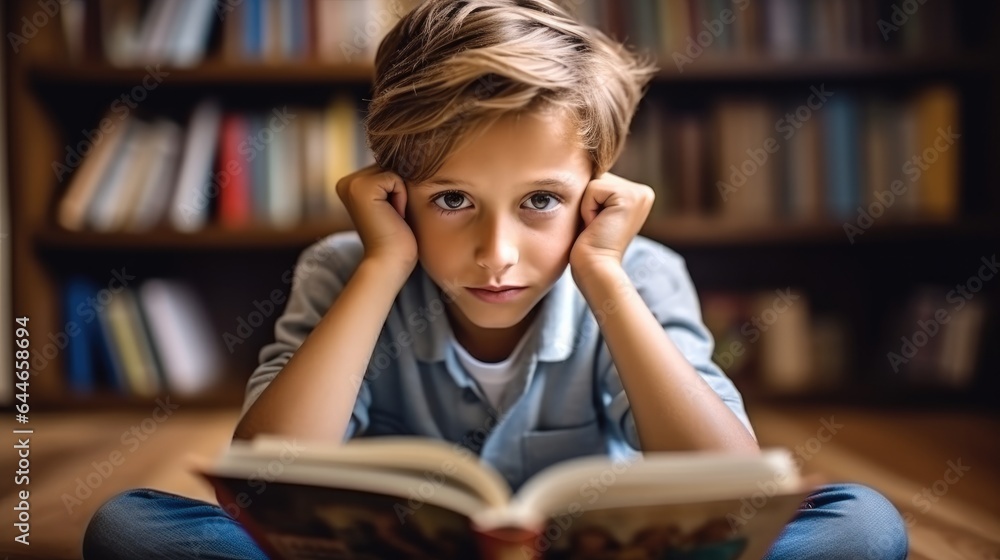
{"x": 571, "y": 401}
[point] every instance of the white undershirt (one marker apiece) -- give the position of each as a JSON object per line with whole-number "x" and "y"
{"x": 497, "y": 377}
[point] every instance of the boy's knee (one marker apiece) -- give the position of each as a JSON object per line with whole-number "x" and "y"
{"x": 109, "y": 521}
{"x": 876, "y": 524}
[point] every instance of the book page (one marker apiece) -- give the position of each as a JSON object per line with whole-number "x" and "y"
{"x": 650, "y": 479}
{"x": 400, "y": 486}
{"x": 656, "y": 478}
{"x": 421, "y": 458}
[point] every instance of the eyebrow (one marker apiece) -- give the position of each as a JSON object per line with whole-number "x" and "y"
{"x": 547, "y": 182}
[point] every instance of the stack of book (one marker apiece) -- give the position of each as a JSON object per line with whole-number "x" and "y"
{"x": 829, "y": 155}
{"x": 153, "y": 339}
{"x": 276, "y": 168}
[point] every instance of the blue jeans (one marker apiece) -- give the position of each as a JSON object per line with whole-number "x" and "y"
{"x": 838, "y": 521}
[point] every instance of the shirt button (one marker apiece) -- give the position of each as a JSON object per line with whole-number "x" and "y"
{"x": 469, "y": 396}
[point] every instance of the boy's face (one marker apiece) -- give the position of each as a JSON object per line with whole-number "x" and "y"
{"x": 480, "y": 222}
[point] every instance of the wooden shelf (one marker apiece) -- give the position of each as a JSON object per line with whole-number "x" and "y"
{"x": 229, "y": 394}
{"x": 210, "y": 239}
{"x": 217, "y": 73}
{"x": 683, "y": 231}
{"x": 871, "y": 66}
{"x": 705, "y": 68}
{"x": 690, "y": 232}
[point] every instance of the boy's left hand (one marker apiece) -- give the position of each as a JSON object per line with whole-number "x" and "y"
{"x": 613, "y": 210}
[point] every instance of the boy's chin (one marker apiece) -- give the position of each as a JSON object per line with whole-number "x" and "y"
{"x": 495, "y": 320}
{"x": 488, "y": 316}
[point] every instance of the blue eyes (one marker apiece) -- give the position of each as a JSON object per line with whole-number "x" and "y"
{"x": 453, "y": 201}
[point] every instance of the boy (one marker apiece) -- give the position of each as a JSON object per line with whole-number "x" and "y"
{"x": 495, "y": 293}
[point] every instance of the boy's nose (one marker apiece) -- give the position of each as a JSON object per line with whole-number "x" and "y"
{"x": 497, "y": 247}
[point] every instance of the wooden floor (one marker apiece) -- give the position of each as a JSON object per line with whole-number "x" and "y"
{"x": 898, "y": 453}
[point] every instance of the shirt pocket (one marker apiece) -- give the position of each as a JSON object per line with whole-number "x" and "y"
{"x": 543, "y": 448}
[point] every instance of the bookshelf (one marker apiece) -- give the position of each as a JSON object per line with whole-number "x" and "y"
{"x": 54, "y": 92}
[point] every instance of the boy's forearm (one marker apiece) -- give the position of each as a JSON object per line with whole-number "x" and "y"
{"x": 673, "y": 407}
{"x": 314, "y": 394}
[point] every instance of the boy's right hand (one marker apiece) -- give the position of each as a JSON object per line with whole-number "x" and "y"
{"x": 376, "y": 201}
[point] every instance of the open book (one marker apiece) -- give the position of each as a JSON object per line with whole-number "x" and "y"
{"x": 404, "y": 497}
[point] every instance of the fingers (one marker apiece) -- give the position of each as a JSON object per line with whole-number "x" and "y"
{"x": 594, "y": 198}
{"x": 588, "y": 209}
{"x": 396, "y": 192}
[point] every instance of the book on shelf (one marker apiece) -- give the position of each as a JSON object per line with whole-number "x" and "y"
{"x": 680, "y": 32}
{"x": 827, "y": 155}
{"x": 408, "y": 497}
{"x": 150, "y": 340}
{"x": 189, "y": 210}
{"x": 937, "y": 337}
{"x": 133, "y": 33}
{"x": 176, "y": 320}
{"x": 330, "y": 31}
{"x": 181, "y": 33}
{"x": 775, "y": 342}
{"x": 276, "y": 168}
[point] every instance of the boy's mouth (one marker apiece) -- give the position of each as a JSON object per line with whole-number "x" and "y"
{"x": 496, "y": 294}
{"x": 496, "y": 288}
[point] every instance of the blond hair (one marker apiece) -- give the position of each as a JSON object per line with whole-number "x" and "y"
{"x": 449, "y": 67}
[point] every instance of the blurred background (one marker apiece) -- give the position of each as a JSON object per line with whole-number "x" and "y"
{"x": 826, "y": 167}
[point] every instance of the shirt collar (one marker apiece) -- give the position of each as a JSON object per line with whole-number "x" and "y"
{"x": 561, "y": 314}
